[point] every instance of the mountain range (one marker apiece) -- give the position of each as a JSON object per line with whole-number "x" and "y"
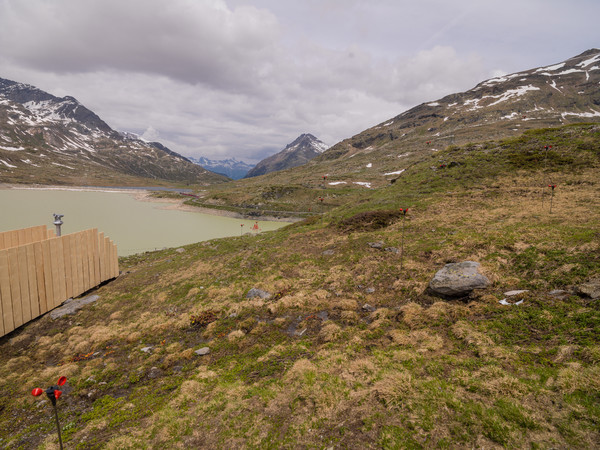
{"x": 502, "y": 107}
{"x": 230, "y": 167}
{"x": 297, "y": 153}
{"x": 51, "y": 140}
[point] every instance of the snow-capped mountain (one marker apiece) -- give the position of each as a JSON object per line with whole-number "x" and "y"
{"x": 230, "y": 167}
{"x": 504, "y": 106}
{"x": 302, "y": 150}
{"x": 47, "y": 139}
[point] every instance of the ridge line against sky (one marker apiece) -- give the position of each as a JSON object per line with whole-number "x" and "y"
{"x": 243, "y": 78}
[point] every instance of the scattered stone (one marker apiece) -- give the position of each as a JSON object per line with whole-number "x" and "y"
{"x": 368, "y": 308}
{"x": 559, "y": 294}
{"x": 511, "y": 293}
{"x": 458, "y": 280}
{"x": 146, "y": 349}
{"x": 155, "y": 372}
{"x": 180, "y": 250}
{"x": 328, "y": 253}
{"x": 254, "y": 292}
{"x": 505, "y": 301}
{"x": 202, "y": 351}
{"x": 369, "y": 290}
{"x": 71, "y": 306}
{"x": 392, "y": 250}
{"x": 378, "y": 244}
{"x": 589, "y": 289}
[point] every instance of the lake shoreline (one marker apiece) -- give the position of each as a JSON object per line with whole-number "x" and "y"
{"x": 145, "y": 195}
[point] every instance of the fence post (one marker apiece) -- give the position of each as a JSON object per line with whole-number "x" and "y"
{"x": 32, "y": 278}
{"x": 5, "y": 294}
{"x": 39, "y": 271}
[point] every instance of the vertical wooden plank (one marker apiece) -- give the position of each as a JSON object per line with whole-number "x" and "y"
{"x": 75, "y": 267}
{"x": 101, "y": 256}
{"x": 107, "y": 256}
{"x": 90, "y": 256}
{"x": 32, "y": 279}
{"x": 7, "y": 311}
{"x": 47, "y": 264}
{"x": 39, "y": 274}
{"x": 84, "y": 262}
{"x": 56, "y": 300}
{"x": 24, "y": 284}
{"x": 115, "y": 260}
{"x": 8, "y": 239}
{"x": 38, "y": 233}
{"x": 2, "y": 247}
{"x": 2, "y": 332}
{"x": 15, "y": 286}
{"x": 28, "y": 235}
{"x": 50, "y": 233}
{"x": 60, "y": 269}
{"x": 96, "y": 256}
{"x": 66, "y": 240}
{"x": 21, "y": 238}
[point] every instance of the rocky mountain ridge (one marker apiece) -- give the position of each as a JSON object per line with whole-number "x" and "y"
{"x": 297, "y": 153}
{"x": 51, "y": 140}
{"x": 504, "y": 106}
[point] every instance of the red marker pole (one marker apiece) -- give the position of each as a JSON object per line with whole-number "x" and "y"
{"x": 552, "y": 196}
{"x": 403, "y": 211}
{"x": 53, "y": 393}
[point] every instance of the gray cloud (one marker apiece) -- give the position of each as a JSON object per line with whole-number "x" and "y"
{"x": 245, "y": 77}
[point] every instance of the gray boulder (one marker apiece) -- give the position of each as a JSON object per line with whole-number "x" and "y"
{"x": 590, "y": 289}
{"x": 458, "y": 280}
{"x": 254, "y": 292}
{"x": 71, "y": 306}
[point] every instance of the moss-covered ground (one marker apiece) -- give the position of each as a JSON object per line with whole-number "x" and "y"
{"x": 350, "y": 351}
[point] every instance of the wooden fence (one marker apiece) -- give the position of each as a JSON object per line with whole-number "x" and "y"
{"x": 39, "y": 271}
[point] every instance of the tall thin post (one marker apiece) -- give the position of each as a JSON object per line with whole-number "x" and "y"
{"x": 403, "y": 211}
{"x": 57, "y": 425}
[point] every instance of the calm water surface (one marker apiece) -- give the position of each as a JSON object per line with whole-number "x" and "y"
{"x": 135, "y": 226}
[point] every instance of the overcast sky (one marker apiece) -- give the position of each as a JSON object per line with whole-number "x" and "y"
{"x": 243, "y": 78}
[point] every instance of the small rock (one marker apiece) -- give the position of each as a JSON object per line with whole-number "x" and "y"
{"x": 590, "y": 289}
{"x": 146, "y": 349}
{"x": 155, "y": 372}
{"x": 254, "y": 292}
{"x": 511, "y": 293}
{"x": 368, "y": 308}
{"x": 559, "y": 294}
{"x": 378, "y": 244}
{"x": 392, "y": 250}
{"x": 180, "y": 250}
{"x": 369, "y": 290}
{"x": 328, "y": 253}
{"x": 202, "y": 351}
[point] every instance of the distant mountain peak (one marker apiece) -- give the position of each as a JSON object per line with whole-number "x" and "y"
{"x": 304, "y": 148}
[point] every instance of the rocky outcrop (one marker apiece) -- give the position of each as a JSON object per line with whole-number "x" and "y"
{"x": 457, "y": 280}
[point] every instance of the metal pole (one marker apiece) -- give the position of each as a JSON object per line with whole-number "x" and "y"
{"x": 58, "y": 222}
{"x": 57, "y": 425}
{"x": 402, "y": 242}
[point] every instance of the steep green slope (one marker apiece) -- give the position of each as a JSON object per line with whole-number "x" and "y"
{"x": 349, "y": 351}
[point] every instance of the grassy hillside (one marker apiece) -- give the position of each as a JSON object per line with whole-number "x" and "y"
{"x": 349, "y": 351}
